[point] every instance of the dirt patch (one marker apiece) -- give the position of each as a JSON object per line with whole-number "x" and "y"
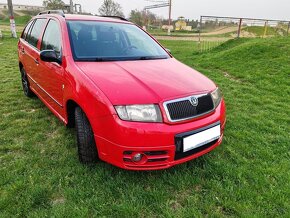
{"x": 196, "y": 38}
{"x": 232, "y": 78}
{"x": 244, "y": 34}
{"x": 198, "y": 188}
{"x": 59, "y": 200}
{"x": 174, "y": 205}
{"x": 221, "y": 31}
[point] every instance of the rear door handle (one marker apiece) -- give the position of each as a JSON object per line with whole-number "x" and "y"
{"x": 36, "y": 61}
{"x": 22, "y": 50}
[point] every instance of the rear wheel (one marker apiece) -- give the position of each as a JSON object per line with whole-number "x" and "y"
{"x": 25, "y": 84}
{"x": 87, "y": 149}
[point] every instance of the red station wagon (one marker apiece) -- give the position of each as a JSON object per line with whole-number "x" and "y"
{"x": 133, "y": 105}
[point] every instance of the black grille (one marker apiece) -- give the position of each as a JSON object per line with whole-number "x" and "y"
{"x": 184, "y": 109}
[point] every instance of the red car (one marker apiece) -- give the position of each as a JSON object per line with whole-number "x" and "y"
{"x": 133, "y": 105}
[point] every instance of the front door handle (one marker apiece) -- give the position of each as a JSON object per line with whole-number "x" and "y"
{"x": 22, "y": 50}
{"x": 36, "y": 61}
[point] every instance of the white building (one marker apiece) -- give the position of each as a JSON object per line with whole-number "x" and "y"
{"x": 22, "y": 7}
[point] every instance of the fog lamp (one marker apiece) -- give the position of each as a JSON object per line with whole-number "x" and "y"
{"x": 137, "y": 157}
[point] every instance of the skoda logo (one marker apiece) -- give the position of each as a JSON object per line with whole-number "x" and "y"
{"x": 194, "y": 101}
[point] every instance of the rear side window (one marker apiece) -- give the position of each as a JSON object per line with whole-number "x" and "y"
{"x": 52, "y": 38}
{"x": 36, "y": 32}
{"x": 26, "y": 30}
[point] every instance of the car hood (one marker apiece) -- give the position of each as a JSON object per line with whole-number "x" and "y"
{"x": 145, "y": 82}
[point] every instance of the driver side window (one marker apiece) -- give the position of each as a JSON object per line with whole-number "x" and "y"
{"x": 52, "y": 38}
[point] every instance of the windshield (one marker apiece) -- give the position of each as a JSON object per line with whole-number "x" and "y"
{"x": 107, "y": 41}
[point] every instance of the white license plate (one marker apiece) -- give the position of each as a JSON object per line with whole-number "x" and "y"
{"x": 201, "y": 138}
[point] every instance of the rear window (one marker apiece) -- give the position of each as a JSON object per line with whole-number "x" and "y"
{"x": 26, "y": 30}
{"x": 36, "y": 31}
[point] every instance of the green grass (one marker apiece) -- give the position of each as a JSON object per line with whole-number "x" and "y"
{"x": 260, "y": 31}
{"x": 247, "y": 176}
{"x": 19, "y": 20}
{"x": 21, "y": 17}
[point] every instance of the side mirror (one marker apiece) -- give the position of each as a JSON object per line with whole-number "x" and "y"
{"x": 49, "y": 56}
{"x": 168, "y": 50}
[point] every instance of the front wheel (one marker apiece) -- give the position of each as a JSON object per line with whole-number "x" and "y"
{"x": 25, "y": 84}
{"x": 87, "y": 149}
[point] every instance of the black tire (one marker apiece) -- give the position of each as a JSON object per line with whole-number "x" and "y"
{"x": 87, "y": 149}
{"x": 25, "y": 84}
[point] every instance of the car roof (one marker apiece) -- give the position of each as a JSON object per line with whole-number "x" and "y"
{"x": 86, "y": 17}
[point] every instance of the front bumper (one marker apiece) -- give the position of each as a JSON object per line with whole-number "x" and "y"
{"x": 119, "y": 140}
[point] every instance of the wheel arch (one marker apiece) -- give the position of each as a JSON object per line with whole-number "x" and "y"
{"x": 70, "y": 110}
{"x": 20, "y": 65}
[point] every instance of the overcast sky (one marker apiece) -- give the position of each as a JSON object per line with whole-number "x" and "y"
{"x": 270, "y": 9}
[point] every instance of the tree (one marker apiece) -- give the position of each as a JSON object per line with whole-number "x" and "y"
{"x": 54, "y": 4}
{"x": 137, "y": 17}
{"x": 111, "y": 8}
{"x": 144, "y": 18}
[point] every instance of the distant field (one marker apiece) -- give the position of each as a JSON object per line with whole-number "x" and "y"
{"x": 247, "y": 176}
{"x": 21, "y": 17}
{"x": 21, "y": 20}
{"x": 18, "y": 20}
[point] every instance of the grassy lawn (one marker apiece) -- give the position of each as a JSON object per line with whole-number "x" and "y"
{"x": 248, "y": 175}
{"x": 19, "y": 20}
{"x": 260, "y": 31}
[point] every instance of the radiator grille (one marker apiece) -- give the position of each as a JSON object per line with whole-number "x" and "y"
{"x": 183, "y": 109}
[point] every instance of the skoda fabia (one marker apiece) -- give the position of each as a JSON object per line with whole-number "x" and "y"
{"x": 133, "y": 105}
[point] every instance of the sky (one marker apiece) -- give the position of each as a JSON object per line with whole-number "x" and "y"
{"x": 193, "y": 9}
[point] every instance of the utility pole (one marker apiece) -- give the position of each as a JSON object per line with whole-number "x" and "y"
{"x": 12, "y": 21}
{"x": 169, "y": 21}
{"x": 170, "y": 7}
{"x": 71, "y": 7}
{"x": 199, "y": 32}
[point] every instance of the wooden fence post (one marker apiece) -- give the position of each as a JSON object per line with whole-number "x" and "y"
{"x": 240, "y": 27}
{"x": 199, "y": 35}
{"x": 265, "y": 29}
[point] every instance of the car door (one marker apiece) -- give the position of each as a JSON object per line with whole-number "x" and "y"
{"x": 31, "y": 51}
{"x": 22, "y": 47}
{"x": 51, "y": 73}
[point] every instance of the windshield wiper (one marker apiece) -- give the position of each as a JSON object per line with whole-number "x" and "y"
{"x": 94, "y": 59}
{"x": 152, "y": 57}
{"x": 104, "y": 59}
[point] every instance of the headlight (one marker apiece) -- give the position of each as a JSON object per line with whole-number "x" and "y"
{"x": 216, "y": 96}
{"x": 139, "y": 113}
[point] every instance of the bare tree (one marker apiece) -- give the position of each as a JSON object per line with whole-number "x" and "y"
{"x": 137, "y": 17}
{"x": 54, "y": 4}
{"x": 111, "y": 8}
{"x": 143, "y": 18}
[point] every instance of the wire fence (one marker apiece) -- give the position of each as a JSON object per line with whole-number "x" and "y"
{"x": 221, "y": 29}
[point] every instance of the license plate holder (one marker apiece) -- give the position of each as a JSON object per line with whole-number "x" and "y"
{"x": 201, "y": 138}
